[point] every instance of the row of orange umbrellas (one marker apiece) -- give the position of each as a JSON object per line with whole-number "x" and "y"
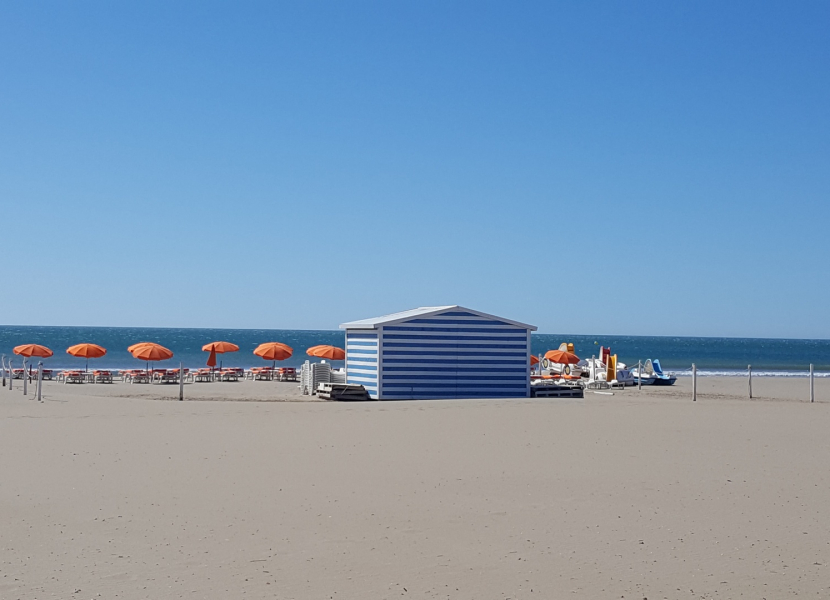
{"x": 268, "y": 351}
{"x": 149, "y": 351}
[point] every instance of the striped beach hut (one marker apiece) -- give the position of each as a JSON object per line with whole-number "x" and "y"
{"x": 439, "y": 352}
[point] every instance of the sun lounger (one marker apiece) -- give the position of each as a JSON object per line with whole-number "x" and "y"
{"x": 288, "y": 374}
{"x": 166, "y": 376}
{"x": 203, "y": 375}
{"x": 261, "y": 373}
{"x": 73, "y": 377}
{"x": 135, "y": 376}
{"x": 228, "y": 375}
{"x": 102, "y": 376}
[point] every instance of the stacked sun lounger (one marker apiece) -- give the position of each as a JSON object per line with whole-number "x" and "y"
{"x": 342, "y": 392}
{"x": 548, "y": 389}
{"x": 313, "y": 374}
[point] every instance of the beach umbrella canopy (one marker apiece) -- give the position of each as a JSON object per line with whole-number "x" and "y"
{"x": 534, "y": 360}
{"x": 211, "y": 361}
{"x": 149, "y": 351}
{"x": 561, "y": 357}
{"x": 134, "y": 346}
{"x": 330, "y": 352}
{"x": 274, "y": 351}
{"x": 30, "y": 350}
{"x": 220, "y": 347}
{"x": 86, "y": 351}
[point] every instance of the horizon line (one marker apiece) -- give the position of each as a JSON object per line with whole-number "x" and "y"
{"x": 712, "y": 337}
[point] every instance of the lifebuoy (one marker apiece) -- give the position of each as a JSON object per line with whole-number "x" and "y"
{"x": 567, "y": 370}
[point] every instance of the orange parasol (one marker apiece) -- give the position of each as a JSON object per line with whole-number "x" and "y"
{"x": 534, "y": 360}
{"x": 148, "y": 351}
{"x": 274, "y": 351}
{"x": 220, "y": 347}
{"x": 29, "y": 350}
{"x": 86, "y": 351}
{"x": 134, "y": 346}
{"x": 561, "y": 357}
{"x": 330, "y": 352}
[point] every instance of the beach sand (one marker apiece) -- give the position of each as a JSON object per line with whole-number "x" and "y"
{"x": 122, "y": 492}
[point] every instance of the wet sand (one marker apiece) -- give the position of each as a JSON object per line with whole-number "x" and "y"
{"x": 122, "y": 492}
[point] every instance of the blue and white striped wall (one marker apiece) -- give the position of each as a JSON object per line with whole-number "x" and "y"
{"x": 362, "y": 360}
{"x": 450, "y": 353}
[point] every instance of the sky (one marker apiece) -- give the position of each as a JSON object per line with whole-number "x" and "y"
{"x": 634, "y": 168}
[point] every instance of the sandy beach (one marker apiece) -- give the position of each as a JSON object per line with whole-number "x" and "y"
{"x": 119, "y": 491}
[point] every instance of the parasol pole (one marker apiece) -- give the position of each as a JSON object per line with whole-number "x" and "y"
{"x": 25, "y": 379}
{"x": 181, "y": 381}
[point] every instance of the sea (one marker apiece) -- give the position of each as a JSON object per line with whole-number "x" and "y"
{"x": 712, "y": 356}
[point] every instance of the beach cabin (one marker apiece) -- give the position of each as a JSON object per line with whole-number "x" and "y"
{"x": 439, "y": 352}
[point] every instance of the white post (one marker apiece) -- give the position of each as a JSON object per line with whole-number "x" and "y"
{"x": 181, "y": 382}
{"x": 25, "y": 379}
{"x": 593, "y": 369}
{"x": 694, "y": 383}
{"x": 39, "y": 379}
{"x": 11, "y": 373}
{"x": 812, "y": 386}
{"x": 4, "y": 370}
{"x": 749, "y": 370}
{"x": 639, "y": 375}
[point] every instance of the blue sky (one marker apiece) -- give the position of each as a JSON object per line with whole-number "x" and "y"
{"x": 643, "y": 168}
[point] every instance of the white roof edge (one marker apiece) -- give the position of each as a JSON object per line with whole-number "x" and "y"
{"x": 375, "y": 322}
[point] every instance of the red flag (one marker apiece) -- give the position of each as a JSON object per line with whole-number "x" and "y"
{"x": 212, "y": 358}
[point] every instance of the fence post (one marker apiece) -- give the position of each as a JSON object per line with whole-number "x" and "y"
{"x": 4, "y": 370}
{"x": 694, "y": 383}
{"x": 749, "y": 369}
{"x": 639, "y": 375}
{"x": 11, "y": 373}
{"x": 39, "y": 379}
{"x": 181, "y": 382}
{"x": 812, "y": 387}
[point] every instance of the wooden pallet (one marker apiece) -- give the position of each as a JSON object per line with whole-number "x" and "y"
{"x": 556, "y": 391}
{"x": 342, "y": 392}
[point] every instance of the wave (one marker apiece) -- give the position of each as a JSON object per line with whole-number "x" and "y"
{"x": 743, "y": 373}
